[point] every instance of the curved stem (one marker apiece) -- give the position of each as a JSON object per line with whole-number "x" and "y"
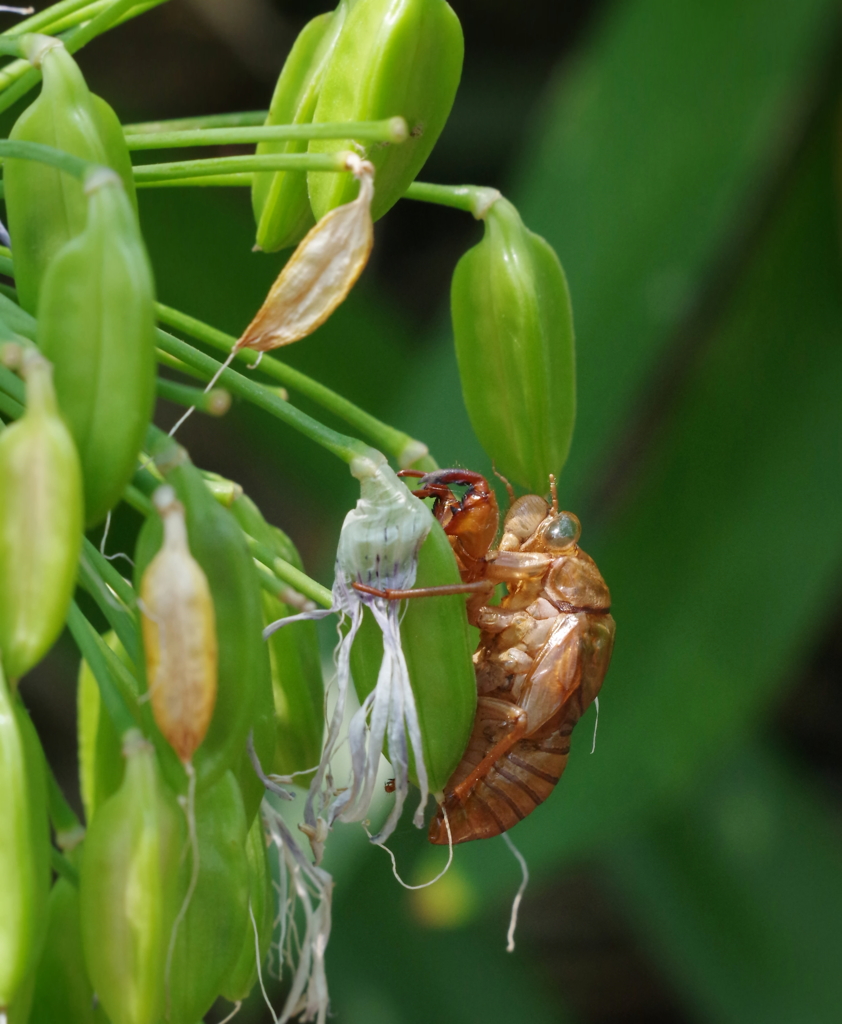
{"x": 288, "y": 573}
{"x": 473, "y": 199}
{"x": 392, "y": 129}
{"x": 345, "y": 448}
{"x": 400, "y": 446}
{"x": 224, "y": 164}
{"x": 183, "y": 124}
{"x": 243, "y": 180}
{"x": 72, "y": 165}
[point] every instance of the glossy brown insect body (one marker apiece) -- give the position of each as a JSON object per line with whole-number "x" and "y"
{"x": 542, "y": 655}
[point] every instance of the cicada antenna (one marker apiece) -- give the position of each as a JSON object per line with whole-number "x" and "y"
{"x": 509, "y": 488}
{"x": 554, "y": 493}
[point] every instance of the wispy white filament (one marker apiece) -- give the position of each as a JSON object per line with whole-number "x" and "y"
{"x": 306, "y": 888}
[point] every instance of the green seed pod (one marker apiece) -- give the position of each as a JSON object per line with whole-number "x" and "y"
{"x": 128, "y": 889}
{"x": 63, "y": 991}
{"x": 393, "y": 57}
{"x": 279, "y": 198}
{"x": 244, "y": 690}
{"x": 244, "y": 975}
{"x": 211, "y": 933}
{"x": 24, "y": 848}
{"x": 297, "y": 683}
{"x": 46, "y": 208}
{"x": 513, "y": 328}
{"x": 96, "y": 322}
{"x": 101, "y": 760}
{"x": 437, "y": 643}
{"x": 41, "y": 522}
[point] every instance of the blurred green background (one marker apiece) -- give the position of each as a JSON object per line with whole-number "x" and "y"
{"x": 681, "y": 156}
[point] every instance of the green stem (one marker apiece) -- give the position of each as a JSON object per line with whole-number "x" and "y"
{"x": 210, "y": 181}
{"x": 215, "y": 402}
{"x": 345, "y": 448}
{"x": 44, "y": 20}
{"x": 391, "y": 130}
{"x": 117, "y": 695}
{"x": 134, "y": 497}
{"x": 62, "y": 866}
{"x": 92, "y": 9}
{"x": 10, "y": 47}
{"x": 221, "y": 164}
{"x": 287, "y": 572}
{"x": 17, "y": 78}
{"x": 106, "y": 571}
{"x": 9, "y": 407}
{"x": 404, "y": 449}
{"x": 179, "y": 124}
{"x": 473, "y": 199}
{"x": 12, "y": 385}
{"x": 120, "y": 617}
{"x": 67, "y": 827}
{"x": 165, "y": 359}
{"x": 72, "y": 165}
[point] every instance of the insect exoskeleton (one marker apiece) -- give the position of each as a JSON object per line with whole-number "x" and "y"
{"x": 542, "y": 656}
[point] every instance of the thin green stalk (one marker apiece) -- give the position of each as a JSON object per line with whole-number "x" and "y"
{"x": 243, "y": 180}
{"x": 391, "y": 130}
{"x": 10, "y": 408}
{"x": 62, "y": 866}
{"x": 12, "y": 385}
{"x": 17, "y": 78}
{"x": 117, "y": 695}
{"x": 473, "y": 199}
{"x": 223, "y": 164}
{"x": 120, "y": 618}
{"x": 138, "y": 501}
{"x": 7, "y": 267}
{"x": 44, "y": 20}
{"x": 345, "y": 448}
{"x": 404, "y": 449}
{"x": 122, "y": 588}
{"x": 184, "y": 124}
{"x": 81, "y": 16}
{"x": 75, "y": 166}
{"x": 287, "y": 572}
{"x": 10, "y": 47}
{"x": 215, "y": 402}
{"x": 165, "y": 359}
{"x": 67, "y": 827}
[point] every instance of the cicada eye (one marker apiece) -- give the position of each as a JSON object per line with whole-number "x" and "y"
{"x": 563, "y": 531}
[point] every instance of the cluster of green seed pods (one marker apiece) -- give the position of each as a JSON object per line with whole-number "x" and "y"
{"x": 367, "y": 60}
{"x": 47, "y": 208}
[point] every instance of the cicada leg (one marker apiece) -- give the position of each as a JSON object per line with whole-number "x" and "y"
{"x": 491, "y": 710}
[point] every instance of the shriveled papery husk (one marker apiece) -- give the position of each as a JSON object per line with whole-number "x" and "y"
{"x": 320, "y": 273}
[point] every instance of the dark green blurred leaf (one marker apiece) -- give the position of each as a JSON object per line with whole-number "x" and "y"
{"x": 655, "y": 152}
{"x": 739, "y": 891}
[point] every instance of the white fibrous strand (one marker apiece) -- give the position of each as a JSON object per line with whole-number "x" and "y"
{"x": 304, "y": 889}
{"x": 378, "y": 546}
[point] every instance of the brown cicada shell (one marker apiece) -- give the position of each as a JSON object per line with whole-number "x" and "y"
{"x": 542, "y": 655}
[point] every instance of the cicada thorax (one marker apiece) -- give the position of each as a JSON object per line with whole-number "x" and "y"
{"x": 542, "y": 657}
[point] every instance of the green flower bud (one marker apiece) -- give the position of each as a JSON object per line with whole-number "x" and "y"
{"x": 128, "y": 889}
{"x": 244, "y": 690}
{"x": 279, "y": 198}
{"x": 261, "y": 902}
{"x": 101, "y": 759}
{"x": 46, "y": 208}
{"x": 513, "y": 328}
{"x": 96, "y": 322}
{"x": 211, "y": 934}
{"x": 63, "y": 991}
{"x": 40, "y": 525}
{"x": 24, "y": 848}
{"x": 392, "y": 57}
{"x": 437, "y": 643}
